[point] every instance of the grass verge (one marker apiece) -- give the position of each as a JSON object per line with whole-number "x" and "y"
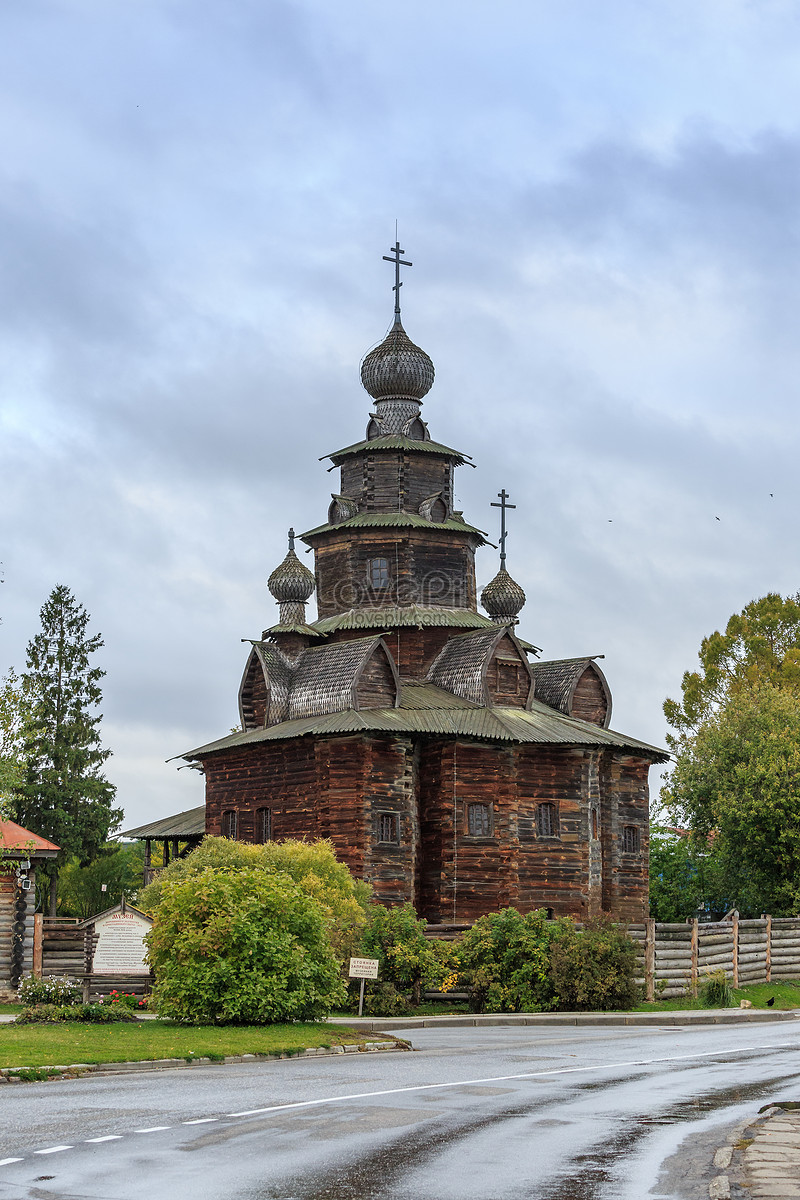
{"x": 786, "y": 995}
{"x": 10, "y": 1008}
{"x": 47, "y": 1045}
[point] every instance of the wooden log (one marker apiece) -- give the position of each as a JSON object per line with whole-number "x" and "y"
{"x": 650, "y": 960}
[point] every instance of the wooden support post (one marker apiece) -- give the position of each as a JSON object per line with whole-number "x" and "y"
{"x": 38, "y": 928}
{"x": 166, "y": 852}
{"x": 695, "y": 953}
{"x": 147, "y": 859}
{"x": 174, "y": 847}
{"x": 361, "y": 999}
{"x": 650, "y": 960}
{"x": 735, "y": 936}
{"x": 769, "y": 949}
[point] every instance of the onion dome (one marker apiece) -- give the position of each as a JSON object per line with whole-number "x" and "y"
{"x": 292, "y": 584}
{"x": 397, "y": 369}
{"x": 503, "y": 598}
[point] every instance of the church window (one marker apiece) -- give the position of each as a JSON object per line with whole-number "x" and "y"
{"x": 379, "y": 572}
{"x": 263, "y": 824}
{"x": 547, "y": 821}
{"x": 479, "y": 820}
{"x": 230, "y": 824}
{"x": 389, "y": 828}
{"x": 631, "y": 841}
{"x": 508, "y": 678}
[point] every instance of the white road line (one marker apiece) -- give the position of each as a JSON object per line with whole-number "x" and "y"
{"x": 428, "y": 1087}
{"x": 5, "y": 1161}
{"x": 153, "y": 1129}
{"x": 109, "y": 1137}
{"x": 200, "y": 1121}
{"x": 52, "y": 1149}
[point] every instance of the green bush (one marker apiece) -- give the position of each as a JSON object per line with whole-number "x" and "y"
{"x": 312, "y": 865}
{"x": 87, "y": 1014}
{"x": 716, "y": 990}
{"x": 593, "y": 968}
{"x": 50, "y": 989}
{"x": 504, "y": 962}
{"x": 244, "y": 946}
{"x": 382, "y": 1000}
{"x": 409, "y": 961}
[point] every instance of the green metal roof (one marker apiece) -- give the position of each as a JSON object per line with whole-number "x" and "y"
{"x": 431, "y": 710}
{"x": 396, "y": 441}
{"x": 191, "y": 823}
{"x": 398, "y": 520}
{"x": 304, "y": 629}
{"x": 415, "y": 615}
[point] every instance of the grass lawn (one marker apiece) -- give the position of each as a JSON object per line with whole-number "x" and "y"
{"x": 48, "y": 1045}
{"x": 10, "y": 1008}
{"x": 786, "y": 994}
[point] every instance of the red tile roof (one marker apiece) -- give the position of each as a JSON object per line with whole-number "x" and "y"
{"x": 14, "y": 837}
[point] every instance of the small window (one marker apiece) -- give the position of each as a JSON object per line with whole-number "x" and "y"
{"x": 264, "y": 825}
{"x": 378, "y": 572}
{"x": 507, "y": 678}
{"x": 547, "y": 821}
{"x": 631, "y": 840}
{"x": 479, "y": 820}
{"x": 230, "y": 824}
{"x": 389, "y": 828}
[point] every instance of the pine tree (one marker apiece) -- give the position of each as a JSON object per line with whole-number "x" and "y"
{"x": 64, "y": 795}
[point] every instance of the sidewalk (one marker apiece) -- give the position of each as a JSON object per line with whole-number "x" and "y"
{"x": 658, "y": 1020}
{"x": 762, "y": 1158}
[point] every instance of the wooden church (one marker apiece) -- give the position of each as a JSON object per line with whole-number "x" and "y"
{"x": 447, "y": 766}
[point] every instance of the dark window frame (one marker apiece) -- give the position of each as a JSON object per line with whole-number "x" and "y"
{"x": 506, "y": 668}
{"x": 486, "y": 822}
{"x": 388, "y": 822}
{"x": 230, "y": 824}
{"x": 378, "y": 573}
{"x": 263, "y": 828}
{"x": 631, "y": 839}
{"x": 548, "y": 825}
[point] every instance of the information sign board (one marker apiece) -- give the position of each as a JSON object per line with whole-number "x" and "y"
{"x": 364, "y": 968}
{"x": 120, "y": 946}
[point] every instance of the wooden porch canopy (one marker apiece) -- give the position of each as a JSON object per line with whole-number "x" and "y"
{"x": 187, "y": 827}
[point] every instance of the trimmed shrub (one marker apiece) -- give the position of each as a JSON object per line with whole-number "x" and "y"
{"x": 312, "y": 865}
{"x": 504, "y": 962}
{"x": 87, "y": 1014}
{"x": 50, "y": 989}
{"x": 592, "y": 968}
{"x": 245, "y": 946}
{"x": 409, "y": 961}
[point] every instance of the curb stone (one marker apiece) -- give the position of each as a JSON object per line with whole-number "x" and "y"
{"x": 684, "y": 1018}
{"x": 76, "y": 1070}
{"x": 762, "y": 1155}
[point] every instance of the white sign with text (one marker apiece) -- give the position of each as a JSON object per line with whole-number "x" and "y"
{"x": 364, "y": 968}
{"x": 120, "y": 944}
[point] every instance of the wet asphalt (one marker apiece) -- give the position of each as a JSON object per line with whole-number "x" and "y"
{"x": 491, "y": 1113}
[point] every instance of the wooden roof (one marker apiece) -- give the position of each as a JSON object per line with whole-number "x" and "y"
{"x": 398, "y": 520}
{"x": 326, "y": 677}
{"x": 188, "y": 824}
{"x": 398, "y": 441}
{"x": 556, "y": 681}
{"x": 413, "y": 615}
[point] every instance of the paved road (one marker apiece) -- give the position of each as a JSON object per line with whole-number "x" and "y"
{"x": 489, "y": 1113}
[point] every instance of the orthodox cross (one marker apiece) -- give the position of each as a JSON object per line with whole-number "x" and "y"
{"x": 398, "y": 263}
{"x": 503, "y": 505}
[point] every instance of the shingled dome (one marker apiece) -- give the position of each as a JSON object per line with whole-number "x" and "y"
{"x": 291, "y": 581}
{"x": 397, "y": 368}
{"x": 502, "y": 597}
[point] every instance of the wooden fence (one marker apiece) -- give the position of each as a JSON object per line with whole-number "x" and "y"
{"x": 674, "y": 959}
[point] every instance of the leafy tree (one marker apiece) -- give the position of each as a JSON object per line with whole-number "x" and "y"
{"x": 242, "y": 946}
{"x": 80, "y": 888}
{"x": 687, "y": 877}
{"x": 64, "y": 795}
{"x": 15, "y": 696}
{"x": 312, "y": 865}
{"x": 738, "y": 777}
{"x": 761, "y": 644}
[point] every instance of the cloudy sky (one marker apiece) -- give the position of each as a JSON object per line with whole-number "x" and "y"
{"x": 601, "y": 202}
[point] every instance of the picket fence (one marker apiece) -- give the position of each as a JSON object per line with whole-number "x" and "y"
{"x": 674, "y": 959}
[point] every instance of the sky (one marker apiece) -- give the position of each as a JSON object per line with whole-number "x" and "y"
{"x": 602, "y": 206}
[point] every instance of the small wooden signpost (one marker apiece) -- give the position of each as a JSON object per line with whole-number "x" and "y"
{"x": 363, "y": 968}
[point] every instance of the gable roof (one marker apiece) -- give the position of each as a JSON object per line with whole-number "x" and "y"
{"x": 326, "y": 677}
{"x": 556, "y": 681}
{"x": 462, "y": 663}
{"x": 398, "y": 441}
{"x": 22, "y": 843}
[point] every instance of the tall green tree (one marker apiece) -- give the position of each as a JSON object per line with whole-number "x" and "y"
{"x": 64, "y": 794}
{"x": 14, "y": 705}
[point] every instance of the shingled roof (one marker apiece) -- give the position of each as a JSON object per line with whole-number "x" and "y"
{"x": 414, "y": 615}
{"x": 556, "y": 681}
{"x": 326, "y": 677}
{"x": 462, "y": 663}
{"x": 398, "y": 441}
{"x": 398, "y": 520}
